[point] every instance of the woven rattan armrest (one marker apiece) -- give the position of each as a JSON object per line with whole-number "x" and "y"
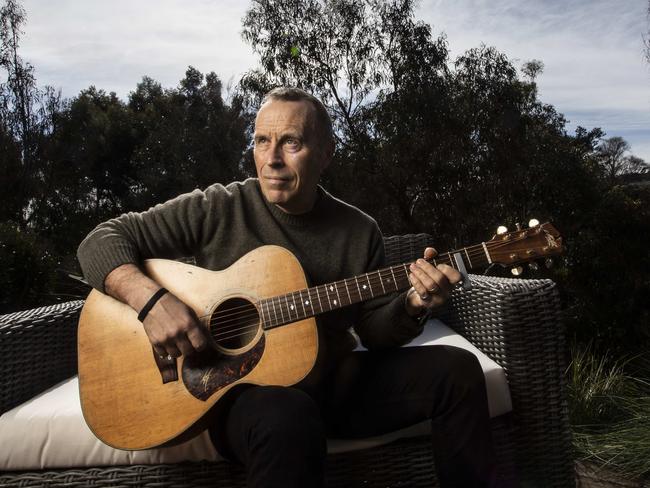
{"x": 38, "y": 348}
{"x": 516, "y": 322}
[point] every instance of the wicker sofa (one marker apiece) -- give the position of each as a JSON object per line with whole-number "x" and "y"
{"x": 513, "y": 321}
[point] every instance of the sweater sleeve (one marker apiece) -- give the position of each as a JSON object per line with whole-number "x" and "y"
{"x": 169, "y": 230}
{"x": 383, "y": 321}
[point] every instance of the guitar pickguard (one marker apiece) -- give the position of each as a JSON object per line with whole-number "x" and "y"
{"x": 210, "y": 371}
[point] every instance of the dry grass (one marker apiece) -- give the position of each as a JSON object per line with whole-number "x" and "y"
{"x": 610, "y": 412}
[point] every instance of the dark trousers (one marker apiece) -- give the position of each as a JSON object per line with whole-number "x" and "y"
{"x": 278, "y": 433}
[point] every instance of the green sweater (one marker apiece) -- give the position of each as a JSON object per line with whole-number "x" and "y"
{"x": 219, "y": 225}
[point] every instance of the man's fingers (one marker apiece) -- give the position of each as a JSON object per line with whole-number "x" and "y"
{"x": 172, "y": 350}
{"x": 430, "y": 252}
{"x": 184, "y": 345}
{"x": 161, "y": 351}
{"x": 419, "y": 288}
{"x": 432, "y": 278}
{"x": 453, "y": 276}
{"x": 432, "y": 284}
{"x": 422, "y": 280}
{"x": 197, "y": 337}
{"x": 174, "y": 328}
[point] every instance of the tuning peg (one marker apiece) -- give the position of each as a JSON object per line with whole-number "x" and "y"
{"x": 518, "y": 226}
{"x": 548, "y": 262}
{"x": 517, "y": 271}
{"x": 502, "y": 229}
{"x": 533, "y": 223}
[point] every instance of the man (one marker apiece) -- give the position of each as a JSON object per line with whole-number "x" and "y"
{"x": 278, "y": 433}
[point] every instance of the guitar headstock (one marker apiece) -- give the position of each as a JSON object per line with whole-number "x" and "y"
{"x": 525, "y": 245}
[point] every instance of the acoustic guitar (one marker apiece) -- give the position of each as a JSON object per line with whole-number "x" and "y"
{"x": 260, "y": 313}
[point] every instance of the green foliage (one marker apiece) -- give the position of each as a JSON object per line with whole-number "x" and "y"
{"x": 65, "y": 166}
{"x": 458, "y": 147}
{"x": 25, "y": 120}
{"x": 610, "y": 411}
{"x": 188, "y": 137}
{"x": 608, "y": 279}
{"x": 451, "y": 147}
{"x": 26, "y": 270}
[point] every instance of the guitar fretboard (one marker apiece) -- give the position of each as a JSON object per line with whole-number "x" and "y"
{"x": 309, "y": 302}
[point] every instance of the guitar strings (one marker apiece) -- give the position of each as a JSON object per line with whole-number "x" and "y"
{"x": 225, "y": 329}
{"x": 250, "y": 312}
{"x": 226, "y": 314}
{"x": 474, "y": 252}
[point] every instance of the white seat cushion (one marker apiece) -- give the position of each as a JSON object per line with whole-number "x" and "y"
{"x": 49, "y": 431}
{"x": 498, "y": 393}
{"x": 437, "y": 333}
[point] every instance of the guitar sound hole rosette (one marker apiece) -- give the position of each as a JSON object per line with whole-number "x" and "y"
{"x": 235, "y": 325}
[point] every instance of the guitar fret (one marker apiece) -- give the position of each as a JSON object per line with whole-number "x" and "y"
{"x": 261, "y": 304}
{"x": 286, "y": 301}
{"x": 302, "y": 303}
{"x": 372, "y": 295}
{"x": 487, "y": 254}
{"x": 269, "y": 317}
{"x": 274, "y": 311}
{"x": 261, "y": 308}
{"x": 394, "y": 280}
{"x": 310, "y": 302}
{"x": 359, "y": 289}
{"x": 285, "y": 309}
{"x": 381, "y": 280}
{"x": 281, "y": 310}
{"x": 468, "y": 259}
{"x": 327, "y": 292}
{"x": 336, "y": 287}
{"x": 451, "y": 261}
{"x": 345, "y": 282}
{"x": 293, "y": 303}
{"x": 319, "y": 302}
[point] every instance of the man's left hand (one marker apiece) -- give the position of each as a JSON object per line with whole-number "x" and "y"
{"x": 430, "y": 285}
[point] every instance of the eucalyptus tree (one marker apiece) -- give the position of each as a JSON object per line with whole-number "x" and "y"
{"x": 353, "y": 55}
{"x": 437, "y": 145}
{"x": 26, "y": 117}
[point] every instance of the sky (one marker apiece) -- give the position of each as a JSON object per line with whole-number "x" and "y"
{"x": 594, "y": 67}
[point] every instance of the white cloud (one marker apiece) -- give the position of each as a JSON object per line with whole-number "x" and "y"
{"x": 113, "y": 44}
{"x": 592, "y": 49}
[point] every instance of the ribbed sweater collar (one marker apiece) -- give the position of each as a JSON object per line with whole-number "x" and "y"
{"x": 313, "y": 217}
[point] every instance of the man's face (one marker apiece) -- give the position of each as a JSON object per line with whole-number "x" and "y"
{"x": 289, "y": 158}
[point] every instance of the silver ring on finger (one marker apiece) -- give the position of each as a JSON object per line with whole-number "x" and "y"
{"x": 425, "y": 297}
{"x": 433, "y": 289}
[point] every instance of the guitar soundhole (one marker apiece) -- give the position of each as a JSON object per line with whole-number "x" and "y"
{"x": 235, "y": 323}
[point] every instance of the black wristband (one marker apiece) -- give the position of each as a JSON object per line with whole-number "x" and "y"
{"x": 149, "y": 305}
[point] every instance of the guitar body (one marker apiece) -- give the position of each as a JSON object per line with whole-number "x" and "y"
{"x": 259, "y": 312}
{"x": 123, "y": 397}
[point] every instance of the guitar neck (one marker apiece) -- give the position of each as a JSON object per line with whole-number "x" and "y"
{"x": 309, "y": 302}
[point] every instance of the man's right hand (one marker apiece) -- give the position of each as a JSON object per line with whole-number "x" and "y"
{"x": 171, "y": 326}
